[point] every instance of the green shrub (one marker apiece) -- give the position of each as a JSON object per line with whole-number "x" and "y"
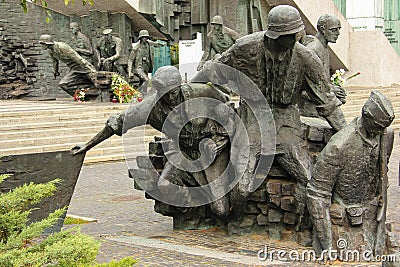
{"x": 23, "y": 245}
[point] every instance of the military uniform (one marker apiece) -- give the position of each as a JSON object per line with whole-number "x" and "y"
{"x": 79, "y": 68}
{"x": 344, "y": 189}
{"x": 110, "y": 50}
{"x": 82, "y": 45}
{"x": 170, "y": 120}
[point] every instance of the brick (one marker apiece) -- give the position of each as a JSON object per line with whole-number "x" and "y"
{"x": 275, "y": 200}
{"x": 274, "y": 187}
{"x": 290, "y": 218}
{"x": 287, "y": 189}
{"x": 288, "y": 203}
{"x": 263, "y": 208}
{"x": 275, "y": 215}
{"x": 262, "y": 219}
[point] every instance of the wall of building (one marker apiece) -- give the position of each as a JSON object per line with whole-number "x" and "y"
{"x": 27, "y": 28}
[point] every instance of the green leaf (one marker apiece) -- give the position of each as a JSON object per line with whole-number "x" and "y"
{"x": 23, "y": 5}
{"x": 66, "y": 2}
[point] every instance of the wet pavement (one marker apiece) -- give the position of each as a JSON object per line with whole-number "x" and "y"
{"x": 128, "y": 225}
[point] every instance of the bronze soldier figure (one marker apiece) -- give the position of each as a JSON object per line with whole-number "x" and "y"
{"x": 218, "y": 40}
{"x": 141, "y": 58}
{"x": 167, "y": 111}
{"x": 79, "y": 68}
{"x": 80, "y": 42}
{"x": 278, "y": 65}
{"x": 108, "y": 51}
{"x": 345, "y": 193}
{"x": 328, "y": 32}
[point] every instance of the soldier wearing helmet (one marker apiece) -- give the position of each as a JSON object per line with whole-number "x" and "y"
{"x": 141, "y": 58}
{"x": 279, "y": 65}
{"x": 218, "y": 40}
{"x": 346, "y": 178}
{"x": 108, "y": 51}
{"x": 79, "y": 68}
{"x": 167, "y": 110}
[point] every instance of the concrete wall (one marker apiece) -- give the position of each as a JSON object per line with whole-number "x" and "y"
{"x": 376, "y": 59}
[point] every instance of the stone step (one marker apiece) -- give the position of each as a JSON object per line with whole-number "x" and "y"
{"x": 42, "y": 141}
{"x": 54, "y": 110}
{"x": 51, "y": 125}
{"x": 56, "y": 118}
{"x": 66, "y": 131}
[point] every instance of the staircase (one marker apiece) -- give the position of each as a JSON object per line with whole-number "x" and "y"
{"x": 44, "y": 126}
{"x": 356, "y": 97}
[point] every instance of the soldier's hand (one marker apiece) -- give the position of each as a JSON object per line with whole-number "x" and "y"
{"x": 340, "y": 93}
{"x": 56, "y": 73}
{"x": 80, "y": 148}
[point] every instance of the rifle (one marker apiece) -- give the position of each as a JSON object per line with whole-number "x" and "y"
{"x": 380, "y": 242}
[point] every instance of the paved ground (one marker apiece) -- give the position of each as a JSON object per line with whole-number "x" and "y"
{"x": 128, "y": 225}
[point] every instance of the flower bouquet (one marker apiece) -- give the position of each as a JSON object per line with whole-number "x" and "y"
{"x": 80, "y": 94}
{"x": 123, "y": 91}
{"x": 338, "y": 80}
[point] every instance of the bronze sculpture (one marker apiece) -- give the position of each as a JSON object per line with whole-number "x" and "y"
{"x": 108, "y": 51}
{"x": 346, "y": 194}
{"x": 167, "y": 110}
{"x": 218, "y": 40}
{"x": 279, "y": 65}
{"x": 80, "y": 42}
{"x": 79, "y": 68}
{"x": 328, "y": 27}
{"x": 141, "y": 58}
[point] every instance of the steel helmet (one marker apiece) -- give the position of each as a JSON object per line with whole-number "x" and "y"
{"x": 45, "y": 39}
{"x": 166, "y": 78}
{"x": 217, "y": 20}
{"x": 144, "y": 33}
{"x": 282, "y": 20}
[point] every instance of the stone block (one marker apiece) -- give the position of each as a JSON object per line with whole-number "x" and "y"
{"x": 275, "y": 200}
{"x": 251, "y": 208}
{"x": 248, "y": 221}
{"x": 287, "y": 189}
{"x": 275, "y": 231}
{"x": 290, "y": 218}
{"x": 315, "y": 134}
{"x": 262, "y": 219}
{"x": 263, "y": 208}
{"x": 274, "y": 187}
{"x": 275, "y": 216}
{"x": 337, "y": 214}
{"x": 288, "y": 203}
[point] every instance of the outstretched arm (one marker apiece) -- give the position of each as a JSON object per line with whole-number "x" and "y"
{"x": 120, "y": 123}
{"x": 113, "y": 126}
